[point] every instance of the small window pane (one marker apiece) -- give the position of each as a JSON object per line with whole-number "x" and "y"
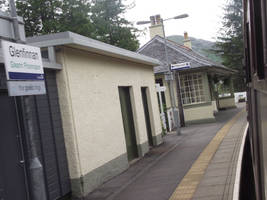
{"x": 192, "y": 88}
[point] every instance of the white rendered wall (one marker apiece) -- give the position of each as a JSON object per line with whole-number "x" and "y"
{"x": 90, "y": 106}
{"x": 199, "y": 113}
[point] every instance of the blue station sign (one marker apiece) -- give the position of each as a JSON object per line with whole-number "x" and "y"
{"x": 24, "y": 69}
{"x": 181, "y": 66}
{"x": 22, "y": 62}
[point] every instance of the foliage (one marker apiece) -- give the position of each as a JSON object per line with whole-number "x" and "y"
{"x": 3, "y": 5}
{"x": 230, "y": 41}
{"x": 99, "y": 19}
{"x": 110, "y": 26}
{"x": 75, "y": 17}
{"x": 40, "y": 17}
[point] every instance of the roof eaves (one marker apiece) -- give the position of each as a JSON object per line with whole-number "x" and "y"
{"x": 218, "y": 69}
{"x": 56, "y": 39}
{"x": 232, "y": 71}
{"x": 76, "y": 40}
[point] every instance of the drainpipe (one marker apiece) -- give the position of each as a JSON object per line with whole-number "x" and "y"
{"x": 38, "y": 191}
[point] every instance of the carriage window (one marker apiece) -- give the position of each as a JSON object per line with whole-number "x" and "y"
{"x": 192, "y": 90}
{"x": 265, "y": 36}
{"x": 259, "y": 39}
{"x": 247, "y": 56}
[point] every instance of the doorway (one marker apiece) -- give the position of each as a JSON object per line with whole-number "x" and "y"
{"x": 13, "y": 184}
{"x": 147, "y": 115}
{"x": 128, "y": 122}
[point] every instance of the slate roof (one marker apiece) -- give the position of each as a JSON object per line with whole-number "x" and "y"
{"x": 178, "y": 53}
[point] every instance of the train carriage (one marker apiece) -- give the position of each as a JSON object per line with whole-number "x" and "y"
{"x": 254, "y": 168}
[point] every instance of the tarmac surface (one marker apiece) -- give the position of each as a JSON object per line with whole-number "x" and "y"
{"x": 158, "y": 175}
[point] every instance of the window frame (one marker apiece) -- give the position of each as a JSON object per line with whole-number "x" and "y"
{"x": 192, "y": 88}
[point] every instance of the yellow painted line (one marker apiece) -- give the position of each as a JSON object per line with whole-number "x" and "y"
{"x": 187, "y": 187}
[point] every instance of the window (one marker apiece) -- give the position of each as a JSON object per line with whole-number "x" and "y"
{"x": 159, "y": 81}
{"x": 192, "y": 90}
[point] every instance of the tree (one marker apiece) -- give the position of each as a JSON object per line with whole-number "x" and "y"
{"x": 230, "y": 41}
{"x": 40, "y": 17}
{"x": 110, "y": 26}
{"x": 3, "y": 5}
{"x": 99, "y": 19}
{"x": 75, "y": 17}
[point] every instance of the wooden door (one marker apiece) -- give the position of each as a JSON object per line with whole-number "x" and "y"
{"x": 128, "y": 122}
{"x": 12, "y": 165}
{"x": 147, "y": 116}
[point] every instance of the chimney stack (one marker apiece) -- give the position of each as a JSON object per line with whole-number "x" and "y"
{"x": 156, "y": 27}
{"x": 187, "y": 41}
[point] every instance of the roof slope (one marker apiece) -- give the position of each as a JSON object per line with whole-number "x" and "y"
{"x": 177, "y": 54}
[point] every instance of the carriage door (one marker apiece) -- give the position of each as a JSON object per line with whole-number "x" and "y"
{"x": 12, "y": 168}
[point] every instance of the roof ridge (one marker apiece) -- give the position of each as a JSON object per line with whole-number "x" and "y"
{"x": 195, "y": 52}
{"x": 199, "y": 60}
{"x": 180, "y": 45}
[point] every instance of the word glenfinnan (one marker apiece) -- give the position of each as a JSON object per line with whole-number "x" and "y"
{"x": 22, "y": 53}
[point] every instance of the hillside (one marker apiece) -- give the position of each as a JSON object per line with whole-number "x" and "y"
{"x": 200, "y": 46}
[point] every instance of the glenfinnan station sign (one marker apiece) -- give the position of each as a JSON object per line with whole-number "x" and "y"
{"x": 24, "y": 69}
{"x": 181, "y": 66}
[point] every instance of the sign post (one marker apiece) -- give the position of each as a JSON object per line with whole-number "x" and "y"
{"x": 176, "y": 68}
{"x": 24, "y": 69}
{"x": 30, "y": 70}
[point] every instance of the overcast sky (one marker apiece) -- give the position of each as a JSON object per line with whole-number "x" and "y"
{"x": 203, "y": 22}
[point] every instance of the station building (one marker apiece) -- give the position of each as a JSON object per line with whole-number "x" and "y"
{"x": 108, "y": 106}
{"x": 200, "y": 98}
{"x": 99, "y": 114}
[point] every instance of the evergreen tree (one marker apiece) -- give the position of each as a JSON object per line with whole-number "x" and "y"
{"x": 75, "y": 17}
{"x": 99, "y": 19}
{"x": 40, "y": 17}
{"x": 230, "y": 41}
{"x": 110, "y": 25}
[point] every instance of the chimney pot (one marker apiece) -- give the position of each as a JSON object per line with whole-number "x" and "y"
{"x": 187, "y": 41}
{"x": 158, "y": 19}
{"x": 185, "y": 35}
{"x": 152, "y": 20}
{"x": 156, "y": 27}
